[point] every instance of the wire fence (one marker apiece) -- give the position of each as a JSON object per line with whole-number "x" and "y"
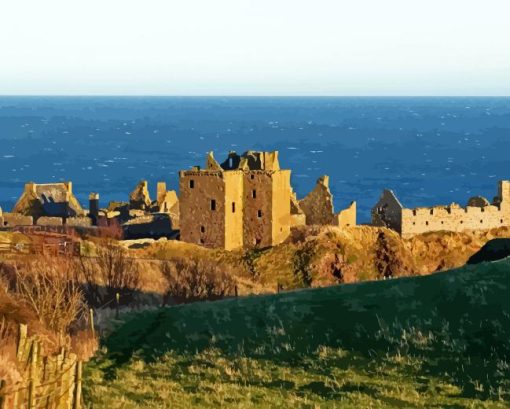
{"x": 49, "y": 382}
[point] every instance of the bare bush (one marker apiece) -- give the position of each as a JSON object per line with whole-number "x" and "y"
{"x": 192, "y": 280}
{"x": 50, "y": 291}
{"x": 9, "y": 370}
{"x": 107, "y": 274}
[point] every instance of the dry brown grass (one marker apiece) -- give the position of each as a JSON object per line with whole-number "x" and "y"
{"x": 192, "y": 280}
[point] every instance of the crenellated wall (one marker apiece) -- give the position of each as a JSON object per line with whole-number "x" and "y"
{"x": 453, "y": 218}
{"x": 477, "y": 215}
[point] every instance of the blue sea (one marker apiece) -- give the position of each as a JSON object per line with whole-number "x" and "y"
{"x": 428, "y": 150}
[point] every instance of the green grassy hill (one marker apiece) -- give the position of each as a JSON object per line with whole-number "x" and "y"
{"x": 438, "y": 341}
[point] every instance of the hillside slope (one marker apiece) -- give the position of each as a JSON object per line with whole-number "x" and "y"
{"x": 434, "y": 341}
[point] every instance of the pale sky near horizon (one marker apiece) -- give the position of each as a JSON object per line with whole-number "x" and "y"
{"x": 255, "y": 47}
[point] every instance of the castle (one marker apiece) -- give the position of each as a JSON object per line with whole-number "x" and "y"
{"x": 244, "y": 202}
{"x": 247, "y": 201}
{"x": 478, "y": 214}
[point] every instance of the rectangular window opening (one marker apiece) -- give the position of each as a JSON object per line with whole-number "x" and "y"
{"x": 259, "y": 213}
{"x": 233, "y": 207}
{"x": 213, "y": 204}
{"x": 202, "y": 229}
{"x": 254, "y": 193}
{"x": 191, "y": 184}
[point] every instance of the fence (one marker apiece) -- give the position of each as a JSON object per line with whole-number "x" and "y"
{"x": 53, "y": 248}
{"x": 51, "y": 382}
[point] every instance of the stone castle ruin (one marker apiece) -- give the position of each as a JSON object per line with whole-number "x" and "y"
{"x": 478, "y": 214}
{"x": 47, "y": 205}
{"x": 247, "y": 201}
{"x": 244, "y": 202}
{"x": 319, "y": 210}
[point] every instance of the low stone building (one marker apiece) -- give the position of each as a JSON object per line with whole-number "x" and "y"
{"x": 48, "y": 200}
{"x": 478, "y": 214}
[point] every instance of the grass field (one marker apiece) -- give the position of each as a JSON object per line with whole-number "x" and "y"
{"x": 439, "y": 341}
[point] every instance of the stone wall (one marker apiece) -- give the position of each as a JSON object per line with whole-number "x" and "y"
{"x": 16, "y": 219}
{"x": 318, "y": 204}
{"x": 234, "y": 210}
{"x": 346, "y": 217}
{"x": 453, "y": 218}
{"x": 477, "y": 215}
{"x": 149, "y": 226}
{"x": 258, "y": 204}
{"x": 280, "y": 218}
{"x": 49, "y": 221}
{"x": 79, "y": 222}
{"x": 388, "y": 212}
{"x": 139, "y": 198}
{"x": 203, "y": 207}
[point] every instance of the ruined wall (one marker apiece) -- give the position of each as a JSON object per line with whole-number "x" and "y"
{"x": 318, "y": 204}
{"x": 167, "y": 202}
{"x": 453, "y": 218}
{"x": 49, "y": 221}
{"x": 139, "y": 198}
{"x": 297, "y": 216}
{"x": 388, "y": 212}
{"x": 79, "y": 221}
{"x": 346, "y": 217}
{"x": 477, "y": 215}
{"x": 16, "y": 219}
{"x": 258, "y": 203}
{"x": 281, "y": 206}
{"x": 152, "y": 225}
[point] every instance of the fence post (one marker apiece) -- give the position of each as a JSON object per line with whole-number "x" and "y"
{"x": 3, "y": 399}
{"x": 77, "y": 387}
{"x": 22, "y": 339}
{"x": 91, "y": 313}
{"x": 32, "y": 380}
{"x": 117, "y": 299}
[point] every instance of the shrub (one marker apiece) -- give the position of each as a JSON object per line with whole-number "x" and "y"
{"x": 107, "y": 274}
{"x": 50, "y": 291}
{"x": 192, "y": 280}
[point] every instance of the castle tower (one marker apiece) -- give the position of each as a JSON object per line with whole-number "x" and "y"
{"x": 211, "y": 208}
{"x": 94, "y": 207}
{"x": 244, "y": 202}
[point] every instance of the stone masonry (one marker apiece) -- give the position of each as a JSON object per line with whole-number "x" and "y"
{"x": 244, "y": 202}
{"x": 478, "y": 214}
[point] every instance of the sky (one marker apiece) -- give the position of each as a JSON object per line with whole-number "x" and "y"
{"x": 255, "y": 47}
